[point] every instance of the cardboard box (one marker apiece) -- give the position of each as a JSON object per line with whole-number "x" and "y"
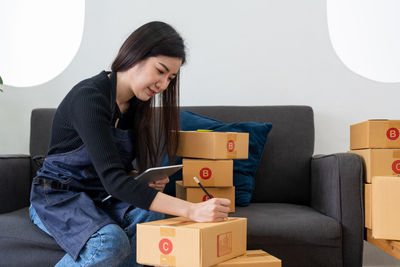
{"x": 375, "y": 134}
{"x": 252, "y": 258}
{"x": 385, "y": 199}
{"x": 213, "y": 145}
{"x": 196, "y": 194}
{"x": 181, "y": 242}
{"x": 209, "y": 172}
{"x": 367, "y": 205}
{"x": 379, "y": 162}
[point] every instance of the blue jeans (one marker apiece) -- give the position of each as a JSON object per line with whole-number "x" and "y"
{"x": 112, "y": 245}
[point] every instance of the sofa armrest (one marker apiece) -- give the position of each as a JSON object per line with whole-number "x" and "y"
{"x": 337, "y": 191}
{"x": 15, "y": 182}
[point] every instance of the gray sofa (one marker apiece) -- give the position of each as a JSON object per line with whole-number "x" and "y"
{"x": 306, "y": 210}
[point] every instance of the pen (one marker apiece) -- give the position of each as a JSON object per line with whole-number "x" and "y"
{"x": 106, "y": 198}
{"x": 202, "y": 187}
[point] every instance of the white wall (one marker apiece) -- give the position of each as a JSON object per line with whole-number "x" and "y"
{"x": 240, "y": 53}
{"x": 254, "y": 52}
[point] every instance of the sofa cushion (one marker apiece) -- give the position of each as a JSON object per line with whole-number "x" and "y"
{"x": 244, "y": 170}
{"x": 283, "y": 175}
{"x": 299, "y": 233}
{"x": 11, "y": 168}
{"x": 23, "y": 244}
{"x": 284, "y": 171}
{"x": 41, "y": 122}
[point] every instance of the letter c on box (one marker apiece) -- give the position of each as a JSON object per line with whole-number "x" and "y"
{"x": 396, "y": 166}
{"x": 165, "y": 246}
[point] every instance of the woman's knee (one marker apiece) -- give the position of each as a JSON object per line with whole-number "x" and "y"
{"x": 154, "y": 216}
{"x": 110, "y": 241}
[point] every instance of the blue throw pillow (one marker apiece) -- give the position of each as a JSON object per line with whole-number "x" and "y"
{"x": 244, "y": 170}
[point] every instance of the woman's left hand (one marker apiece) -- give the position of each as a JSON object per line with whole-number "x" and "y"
{"x": 160, "y": 184}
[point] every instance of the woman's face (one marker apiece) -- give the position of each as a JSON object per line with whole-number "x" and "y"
{"x": 152, "y": 75}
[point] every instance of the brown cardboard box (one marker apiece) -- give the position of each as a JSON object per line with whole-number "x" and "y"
{"x": 196, "y": 194}
{"x": 209, "y": 172}
{"x": 181, "y": 242}
{"x": 252, "y": 258}
{"x": 367, "y": 203}
{"x": 213, "y": 145}
{"x": 385, "y": 199}
{"x": 375, "y": 134}
{"x": 379, "y": 162}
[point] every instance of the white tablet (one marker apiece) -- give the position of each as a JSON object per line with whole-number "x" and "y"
{"x": 157, "y": 173}
{"x": 154, "y": 174}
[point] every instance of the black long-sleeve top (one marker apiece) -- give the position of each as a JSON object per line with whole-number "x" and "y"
{"x": 85, "y": 116}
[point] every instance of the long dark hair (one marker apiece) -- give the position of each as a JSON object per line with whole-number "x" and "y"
{"x": 153, "y": 39}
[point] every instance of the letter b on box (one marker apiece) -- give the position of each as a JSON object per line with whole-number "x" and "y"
{"x": 392, "y": 133}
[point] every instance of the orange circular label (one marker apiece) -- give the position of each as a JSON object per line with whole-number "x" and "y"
{"x": 205, "y": 173}
{"x": 230, "y": 145}
{"x": 205, "y": 197}
{"x": 392, "y": 133}
{"x": 165, "y": 246}
{"x": 396, "y": 166}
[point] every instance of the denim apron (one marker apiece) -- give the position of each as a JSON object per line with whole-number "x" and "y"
{"x": 67, "y": 194}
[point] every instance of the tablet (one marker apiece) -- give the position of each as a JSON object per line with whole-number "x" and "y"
{"x": 154, "y": 174}
{"x": 157, "y": 173}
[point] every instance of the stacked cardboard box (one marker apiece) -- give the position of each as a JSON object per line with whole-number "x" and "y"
{"x": 378, "y": 143}
{"x": 208, "y": 156}
{"x": 252, "y": 258}
{"x": 181, "y": 242}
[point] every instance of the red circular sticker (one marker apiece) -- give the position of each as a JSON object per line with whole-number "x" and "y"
{"x": 205, "y": 197}
{"x": 230, "y": 145}
{"x": 392, "y": 133}
{"x": 396, "y": 166}
{"x": 205, "y": 173}
{"x": 165, "y": 246}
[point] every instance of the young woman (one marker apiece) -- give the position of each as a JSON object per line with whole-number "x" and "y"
{"x": 103, "y": 125}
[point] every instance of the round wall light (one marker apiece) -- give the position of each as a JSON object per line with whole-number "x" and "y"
{"x": 365, "y": 36}
{"x": 38, "y": 39}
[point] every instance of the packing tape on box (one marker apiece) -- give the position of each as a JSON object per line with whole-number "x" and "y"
{"x": 167, "y": 231}
{"x": 167, "y": 260}
{"x": 396, "y": 154}
{"x": 231, "y": 144}
{"x": 166, "y": 243}
{"x": 166, "y": 246}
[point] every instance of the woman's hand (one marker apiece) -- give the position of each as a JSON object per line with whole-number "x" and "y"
{"x": 212, "y": 210}
{"x": 160, "y": 184}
